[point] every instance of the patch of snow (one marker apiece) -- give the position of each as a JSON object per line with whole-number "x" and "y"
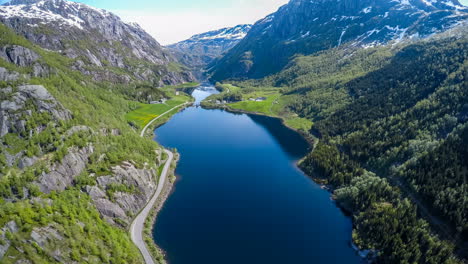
{"x": 34, "y": 12}
{"x": 341, "y": 36}
{"x": 367, "y": 10}
{"x": 451, "y": 4}
{"x": 268, "y": 19}
{"x": 429, "y": 2}
{"x": 349, "y": 17}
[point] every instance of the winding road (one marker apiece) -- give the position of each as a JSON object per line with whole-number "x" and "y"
{"x": 163, "y": 114}
{"x": 138, "y": 224}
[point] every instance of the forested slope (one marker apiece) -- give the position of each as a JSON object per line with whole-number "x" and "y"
{"x": 391, "y": 122}
{"x": 73, "y": 173}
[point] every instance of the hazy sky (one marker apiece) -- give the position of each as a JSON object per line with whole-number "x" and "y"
{"x": 170, "y": 21}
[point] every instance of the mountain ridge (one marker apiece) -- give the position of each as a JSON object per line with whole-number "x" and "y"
{"x": 98, "y": 41}
{"x": 305, "y": 27}
{"x": 201, "y": 49}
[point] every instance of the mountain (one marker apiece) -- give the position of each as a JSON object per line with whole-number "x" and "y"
{"x": 390, "y": 126}
{"x": 308, "y": 26}
{"x": 200, "y": 50}
{"x": 74, "y": 170}
{"x": 99, "y": 42}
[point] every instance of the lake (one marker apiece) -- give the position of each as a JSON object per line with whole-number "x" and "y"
{"x": 240, "y": 197}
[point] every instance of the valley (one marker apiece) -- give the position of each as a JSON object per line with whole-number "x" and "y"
{"x": 329, "y": 131}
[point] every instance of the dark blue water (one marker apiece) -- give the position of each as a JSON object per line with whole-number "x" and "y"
{"x": 240, "y": 198}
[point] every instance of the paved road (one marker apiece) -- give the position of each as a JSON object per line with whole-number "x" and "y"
{"x": 136, "y": 229}
{"x": 154, "y": 120}
{"x": 138, "y": 224}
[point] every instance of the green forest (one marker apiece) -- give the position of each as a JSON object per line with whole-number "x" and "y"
{"x": 70, "y": 216}
{"x": 390, "y": 127}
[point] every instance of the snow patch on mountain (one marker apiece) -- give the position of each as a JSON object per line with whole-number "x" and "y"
{"x": 64, "y": 12}
{"x": 234, "y": 33}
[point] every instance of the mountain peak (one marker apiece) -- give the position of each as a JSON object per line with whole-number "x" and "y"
{"x": 201, "y": 49}
{"x": 309, "y": 26}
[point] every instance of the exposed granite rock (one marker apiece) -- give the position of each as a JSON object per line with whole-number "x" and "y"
{"x": 27, "y": 162}
{"x": 44, "y": 100}
{"x": 62, "y": 174}
{"x": 96, "y": 37}
{"x": 8, "y": 76}
{"x": 40, "y": 70}
{"x": 18, "y": 55}
{"x": 95, "y": 192}
{"x": 77, "y": 129}
{"x": 11, "y": 159}
{"x": 123, "y": 205}
{"x": 13, "y": 108}
{"x": 42, "y": 235}
{"x": 9, "y": 227}
{"x": 110, "y": 210}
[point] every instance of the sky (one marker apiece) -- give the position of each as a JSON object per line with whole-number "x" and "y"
{"x": 171, "y": 21}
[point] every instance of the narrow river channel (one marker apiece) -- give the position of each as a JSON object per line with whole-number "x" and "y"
{"x": 240, "y": 198}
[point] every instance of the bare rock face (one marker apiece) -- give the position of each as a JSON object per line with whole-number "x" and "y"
{"x": 14, "y": 107}
{"x": 7, "y": 76}
{"x": 123, "y": 205}
{"x": 12, "y": 228}
{"x": 309, "y": 26}
{"x": 18, "y": 55}
{"x": 44, "y": 234}
{"x": 62, "y": 174}
{"x": 93, "y": 36}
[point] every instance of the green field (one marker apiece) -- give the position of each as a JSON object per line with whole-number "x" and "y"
{"x": 182, "y": 86}
{"x": 264, "y": 107}
{"x": 144, "y": 113}
{"x": 273, "y": 106}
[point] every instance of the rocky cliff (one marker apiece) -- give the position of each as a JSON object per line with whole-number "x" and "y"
{"x": 73, "y": 173}
{"x": 95, "y": 39}
{"x": 306, "y": 27}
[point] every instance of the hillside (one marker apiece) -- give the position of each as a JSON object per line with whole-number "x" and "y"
{"x": 391, "y": 130}
{"x": 73, "y": 170}
{"x": 306, "y": 27}
{"x": 101, "y": 44}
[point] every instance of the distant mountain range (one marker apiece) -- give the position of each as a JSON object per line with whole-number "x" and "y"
{"x": 200, "y": 50}
{"x": 97, "y": 40}
{"x": 308, "y": 26}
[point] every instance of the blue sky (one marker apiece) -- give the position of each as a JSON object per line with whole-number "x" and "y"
{"x": 170, "y": 21}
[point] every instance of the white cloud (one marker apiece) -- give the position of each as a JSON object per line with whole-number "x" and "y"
{"x": 171, "y": 27}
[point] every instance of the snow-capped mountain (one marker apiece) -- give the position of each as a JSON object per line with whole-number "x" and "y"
{"x": 309, "y": 26}
{"x": 93, "y": 37}
{"x": 202, "y": 49}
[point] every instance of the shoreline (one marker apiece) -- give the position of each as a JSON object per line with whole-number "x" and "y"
{"x": 324, "y": 186}
{"x": 307, "y": 136}
{"x": 157, "y": 252}
{"x": 150, "y": 251}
